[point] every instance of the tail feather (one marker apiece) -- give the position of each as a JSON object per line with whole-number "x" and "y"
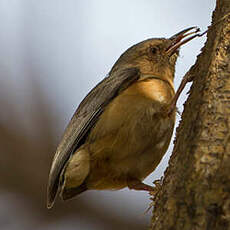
{"x": 68, "y": 193}
{"x": 52, "y": 190}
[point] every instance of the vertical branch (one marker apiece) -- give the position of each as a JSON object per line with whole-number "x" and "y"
{"x": 196, "y": 189}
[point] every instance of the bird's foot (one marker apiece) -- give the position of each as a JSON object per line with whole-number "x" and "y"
{"x": 172, "y": 107}
{"x": 138, "y": 185}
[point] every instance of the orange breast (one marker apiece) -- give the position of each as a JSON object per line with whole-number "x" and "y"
{"x": 153, "y": 89}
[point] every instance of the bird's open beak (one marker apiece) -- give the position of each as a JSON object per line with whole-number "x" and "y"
{"x": 178, "y": 39}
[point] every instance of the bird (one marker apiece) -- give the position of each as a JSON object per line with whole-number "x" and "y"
{"x": 123, "y": 127}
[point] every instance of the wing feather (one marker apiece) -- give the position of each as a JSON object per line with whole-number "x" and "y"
{"x": 82, "y": 121}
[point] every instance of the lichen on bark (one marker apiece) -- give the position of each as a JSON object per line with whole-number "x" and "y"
{"x": 196, "y": 188}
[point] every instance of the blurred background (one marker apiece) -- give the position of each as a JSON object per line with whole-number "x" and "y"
{"x": 52, "y": 52}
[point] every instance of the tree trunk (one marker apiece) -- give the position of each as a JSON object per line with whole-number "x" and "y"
{"x": 195, "y": 193}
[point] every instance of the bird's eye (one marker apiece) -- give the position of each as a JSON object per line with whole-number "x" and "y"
{"x": 153, "y": 50}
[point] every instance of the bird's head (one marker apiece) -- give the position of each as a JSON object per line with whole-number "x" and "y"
{"x": 156, "y": 56}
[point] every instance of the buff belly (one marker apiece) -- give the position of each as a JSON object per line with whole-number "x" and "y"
{"x": 127, "y": 142}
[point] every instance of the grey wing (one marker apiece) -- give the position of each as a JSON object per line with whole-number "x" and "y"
{"x": 83, "y": 119}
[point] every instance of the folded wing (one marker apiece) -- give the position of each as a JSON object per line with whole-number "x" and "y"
{"x": 82, "y": 121}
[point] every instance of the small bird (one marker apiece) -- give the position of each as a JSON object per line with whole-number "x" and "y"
{"x": 122, "y": 129}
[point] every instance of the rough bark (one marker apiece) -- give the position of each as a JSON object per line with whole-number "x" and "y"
{"x": 195, "y": 193}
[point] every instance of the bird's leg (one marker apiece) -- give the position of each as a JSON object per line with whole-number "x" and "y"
{"x": 138, "y": 185}
{"x": 187, "y": 78}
